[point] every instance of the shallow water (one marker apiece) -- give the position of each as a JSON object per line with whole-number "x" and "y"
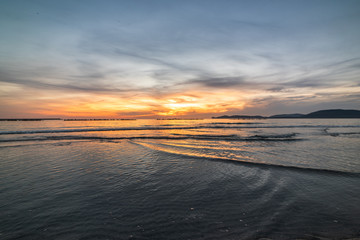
{"x": 180, "y": 179}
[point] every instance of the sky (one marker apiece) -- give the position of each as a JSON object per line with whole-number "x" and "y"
{"x": 168, "y": 58}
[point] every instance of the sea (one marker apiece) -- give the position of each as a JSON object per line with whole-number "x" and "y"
{"x": 180, "y": 179}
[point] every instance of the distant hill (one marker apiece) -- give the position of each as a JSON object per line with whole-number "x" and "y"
{"x": 294, "y": 115}
{"x": 242, "y": 117}
{"x": 330, "y": 113}
{"x": 334, "y": 113}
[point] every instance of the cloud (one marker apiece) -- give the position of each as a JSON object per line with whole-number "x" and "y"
{"x": 155, "y": 61}
{"x": 350, "y": 62}
{"x": 58, "y": 85}
{"x": 306, "y": 83}
{"x": 276, "y": 89}
{"x": 220, "y": 82}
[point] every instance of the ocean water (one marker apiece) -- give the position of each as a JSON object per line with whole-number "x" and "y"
{"x": 180, "y": 179}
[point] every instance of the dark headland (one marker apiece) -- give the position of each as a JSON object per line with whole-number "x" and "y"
{"x": 330, "y": 113}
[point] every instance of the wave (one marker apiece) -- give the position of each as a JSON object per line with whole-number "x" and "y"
{"x": 343, "y": 134}
{"x": 207, "y": 135}
{"x": 246, "y": 160}
{"x": 90, "y": 130}
{"x": 234, "y": 137}
{"x": 230, "y": 137}
{"x": 337, "y": 134}
{"x": 168, "y": 128}
{"x": 43, "y": 143}
{"x": 274, "y": 136}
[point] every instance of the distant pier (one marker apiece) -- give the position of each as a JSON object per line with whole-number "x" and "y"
{"x": 28, "y": 119}
{"x": 99, "y": 119}
{"x": 61, "y": 119}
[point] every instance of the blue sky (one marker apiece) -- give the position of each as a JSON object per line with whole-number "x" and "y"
{"x": 186, "y": 58}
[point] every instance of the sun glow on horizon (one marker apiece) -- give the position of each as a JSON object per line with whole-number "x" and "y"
{"x": 185, "y": 102}
{"x": 205, "y": 103}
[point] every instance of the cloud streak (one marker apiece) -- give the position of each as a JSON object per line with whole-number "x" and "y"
{"x": 220, "y": 82}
